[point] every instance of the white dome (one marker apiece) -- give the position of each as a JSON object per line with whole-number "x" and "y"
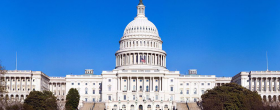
{"x": 141, "y": 25}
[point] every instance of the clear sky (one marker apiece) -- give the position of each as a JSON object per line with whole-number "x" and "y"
{"x": 217, "y": 37}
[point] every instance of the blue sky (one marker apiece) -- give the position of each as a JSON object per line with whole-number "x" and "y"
{"x": 217, "y": 37}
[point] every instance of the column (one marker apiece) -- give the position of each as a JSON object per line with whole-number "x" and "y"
{"x": 118, "y": 84}
{"x": 56, "y": 90}
{"x": 255, "y": 84}
{"x": 121, "y": 84}
{"x": 143, "y": 87}
{"x": 16, "y": 84}
{"x": 275, "y": 85}
{"x": 260, "y": 89}
{"x": 270, "y": 85}
{"x": 153, "y": 84}
{"x": 25, "y": 84}
{"x": 250, "y": 85}
{"x": 130, "y": 85}
{"x": 159, "y": 85}
{"x": 138, "y": 58}
{"x": 265, "y": 84}
{"x": 137, "y": 84}
{"x": 10, "y": 84}
{"x": 52, "y": 87}
{"x": 127, "y": 84}
{"x": 161, "y": 63}
{"x": 150, "y": 84}
{"x": 61, "y": 88}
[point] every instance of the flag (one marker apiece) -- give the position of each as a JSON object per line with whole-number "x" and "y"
{"x": 142, "y": 60}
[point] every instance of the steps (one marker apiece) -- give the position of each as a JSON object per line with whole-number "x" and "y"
{"x": 193, "y": 106}
{"x": 182, "y": 106}
{"x": 87, "y": 106}
{"x": 99, "y": 106}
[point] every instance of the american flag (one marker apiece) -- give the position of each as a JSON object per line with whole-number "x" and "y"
{"x": 142, "y": 60}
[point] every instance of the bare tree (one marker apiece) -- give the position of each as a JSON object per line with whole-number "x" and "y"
{"x": 2, "y": 80}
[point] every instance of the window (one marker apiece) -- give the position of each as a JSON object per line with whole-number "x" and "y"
{"x": 134, "y": 87}
{"x": 188, "y": 91}
{"x": 124, "y": 87}
{"x": 109, "y": 88}
{"x": 208, "y": 84}
{"x": 109, "y": 97}
{"x": 171, "y": 98}
{"x": 187, "y": 84}
{"x": 147, "y": 88}
{"x": 133, "y": 80}
{"x": 86, "y": 83}
{"x": 93, "y": 83}
{"x": 140, "y": 80}
{"x": 156, "y": 88}
{"x": 147, "y": 97}
{"x": 93, "y": 92}
{"x": 100, "y": 91}
{"x": 156, "y": 97}
{"x": 109, "y": 80}
{"x": 86, "y": 91}
{"x": 72, "y": 83}
{"x": 78, "y": 83}
{"x": 156, "y": 80}
{"x": 133, "y": 97}
{"x": 194, "y": 84}
{"x": 93, "y": 99}
{"x": 157, "y": 106}
{"x": 171, "y": 88}
{"x": 171, "y": 80}
{"x": 124, "y": 97}
{"x": 86, "y": 99}
{"x": 195, "y": 92}
{"x": 147, "y": 80}
{"x": 181, "y": 92}
{"x": 202, "y": 91}
{"x": 202, "y": 84}
{"x": 99, "y": 84}
{"x": 125, "y": 80}
{"x": 181, "y": 84}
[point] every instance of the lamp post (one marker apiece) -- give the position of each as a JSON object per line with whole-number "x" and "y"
{"x": 119, "y": 103}
{"x": 136, "y": 102}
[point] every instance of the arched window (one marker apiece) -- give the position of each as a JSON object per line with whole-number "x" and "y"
{"x": 149, "y": 106}
{"x": 147, "y": 88}
{"x": 86, "y": 91}
{"x": 123, "y": 106}
{"x": 157, "y": 106}
{"x": 195, "y": 91}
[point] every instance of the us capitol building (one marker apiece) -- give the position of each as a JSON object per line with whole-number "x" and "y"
{"x": 140, "y": 79}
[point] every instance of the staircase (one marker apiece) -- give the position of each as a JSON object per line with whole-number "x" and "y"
{"x": 182, "y": 106}
{"x": 193, "y": 106}
{"x": 87, "y": 106}
{"x": 99, "y": 106}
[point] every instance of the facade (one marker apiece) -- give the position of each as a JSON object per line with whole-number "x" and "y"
{"x": 266, "y": 83}
{"x": 140, "y": 78}
{"x": 20, "y": 82}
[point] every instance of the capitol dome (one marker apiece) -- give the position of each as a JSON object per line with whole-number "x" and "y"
{"x": 140, "y": 45}
{"x": 141, "y": 25}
